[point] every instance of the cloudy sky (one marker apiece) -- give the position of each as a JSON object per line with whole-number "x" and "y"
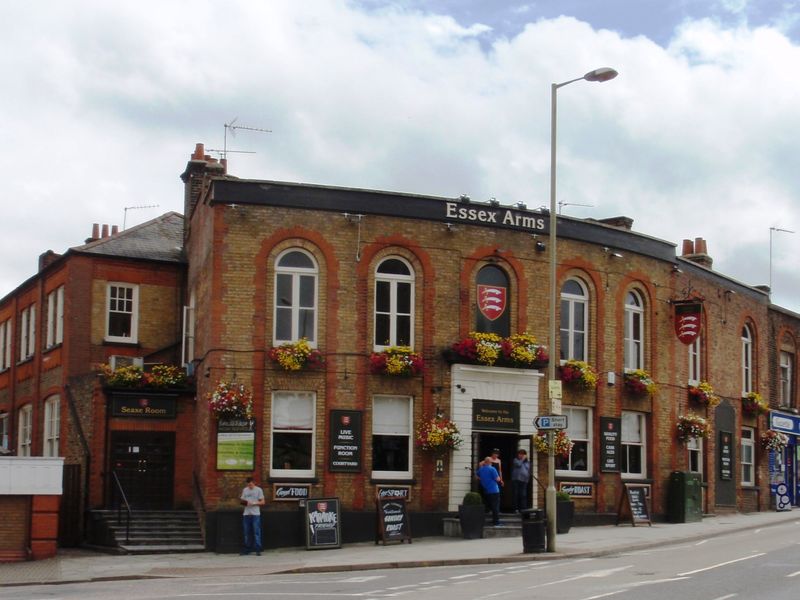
{"x": 699, "y": 136}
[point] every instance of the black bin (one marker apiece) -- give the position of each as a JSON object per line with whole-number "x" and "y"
{"x": 534, "y": 530}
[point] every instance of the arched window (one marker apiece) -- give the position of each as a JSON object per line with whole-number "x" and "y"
{"x": 394, "y": 304}
{"x": 295, "y": 297}
{"x": 574, "y": 320}
{"x": 634, "y": 331}
{"x": 747, "y": 360}
{"x": 494, "y": 313}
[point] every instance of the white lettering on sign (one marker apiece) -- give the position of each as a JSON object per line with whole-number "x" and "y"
{"x": 509, "y": 217}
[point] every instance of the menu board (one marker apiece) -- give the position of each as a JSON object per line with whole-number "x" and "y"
{"x": 346, "y": 447}
{"x": 323, "y": 524}
{"x": 725, "y": 455}
{"x": 609, "y": 444}
{"x": 393, "y": 522}
{"x": 634, "y": 504}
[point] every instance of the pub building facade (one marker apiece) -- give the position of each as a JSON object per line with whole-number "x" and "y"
{"x": 342, "y": 278}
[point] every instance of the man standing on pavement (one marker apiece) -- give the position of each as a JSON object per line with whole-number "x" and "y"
{"x": 252, "y": 499}
{"x": 520, "y": 476}
{"x": 490, "y": 482}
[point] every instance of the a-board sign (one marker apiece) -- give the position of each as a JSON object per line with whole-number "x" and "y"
{"x": 323, "y": 523}
{"x": 610, "y": 444}
{"x": 346, "y": 446}
{"x": 725, "y": 455}
{"x": 290, "y": 492}
{"x": 393, "y": 522}
{"x": 633, "y": 504}
{"x": 393, "y": 492}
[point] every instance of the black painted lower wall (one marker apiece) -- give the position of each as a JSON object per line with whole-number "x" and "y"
{"x": 281, "y": 529}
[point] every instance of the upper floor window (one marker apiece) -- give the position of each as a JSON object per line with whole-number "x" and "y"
{"x": 747, "y": 458}
{"x": 695, "y": 371}
{"x": 634, "y": 331}
{"x": 391, "y": 437}
{"x": 574, "y": 320}
{"x": 747, "y": 360}
{"x": 579, "y": 430}
{"x": 295, "y": 297}
{"x": 187, "y": 348}
{"x": 4, "y": 428}
{"x": 52, "y": 426}
{"x": 785, "y": 389}
{"x": 293, "y": 434}
{"x": 55, "y": 317}
{"x": 122, "y": 312}
{"x": 633, "y": 446}
{"x": 24, "y": 430}
{"x": 27, "y": 332}
{"x": 492, "y": 293}
{"x": 5, "y": 344}
{"x": 394, "y": 304}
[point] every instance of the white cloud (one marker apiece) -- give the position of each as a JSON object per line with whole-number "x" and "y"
{"x": 103, "y": 104}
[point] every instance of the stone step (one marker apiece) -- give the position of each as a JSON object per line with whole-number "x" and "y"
{"x": 161, "y": 549}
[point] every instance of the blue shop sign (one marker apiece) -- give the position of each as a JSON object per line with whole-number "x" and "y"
{"x": 784, "y": 422}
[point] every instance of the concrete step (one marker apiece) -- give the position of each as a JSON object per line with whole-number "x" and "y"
{"x": 161, "y": 549}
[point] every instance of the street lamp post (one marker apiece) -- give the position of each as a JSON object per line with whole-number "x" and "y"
{"x": 599, "y": 75}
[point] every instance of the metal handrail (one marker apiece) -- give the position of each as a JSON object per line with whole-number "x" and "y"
{"x": 119, "y": 508}
{"x": 198, "y": 492}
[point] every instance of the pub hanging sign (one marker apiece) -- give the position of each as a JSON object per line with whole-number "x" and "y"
{"x": 688, "y": 319}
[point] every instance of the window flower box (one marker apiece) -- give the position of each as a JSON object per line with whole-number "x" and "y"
{"x": 159, "y": 377}
{"x": 230, "y": 399}
{"x": 562, "y": 445}
{"x": 579, "y": 374}
{"x": 438, "y": 435}
{"x": 398, "y": 361}
{"x": 297, "y": 356}
{"x": 639, "y": 383}
{"x": 519, "y": 351}
{"x": 703, "y": 393}
{"x": 774, "y": 441}
{"x": 753, "y": 404}
{"x": 692, "y": 426}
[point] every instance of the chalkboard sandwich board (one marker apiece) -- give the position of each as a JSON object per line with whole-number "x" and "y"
{"x": 322, "y": 523}
{"x": 393, "y": 522}
{"x": 634, "y": 503}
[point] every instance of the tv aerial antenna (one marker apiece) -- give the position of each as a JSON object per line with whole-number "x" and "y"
{"x": 233, "y": 127}
{"x": 127, "y": 208}
{"x": 562, "y": 204}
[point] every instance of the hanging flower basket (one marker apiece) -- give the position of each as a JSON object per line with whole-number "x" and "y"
{"x": 639, "y": 383}
{"x": 399, "y": 361}
{"x": 579, "y": 374}
{"x": 774, "y": 441}
{"x": 158, "y": 377}
{"x": 562, "y": 445}
{"x": 703, "y": 393}
{"x": 438, "y": 435}
{"x": 297, "y": 356}
{"x": 230, "y": 399}
{"x": 753, "y": 404}
{"x": 692, "y": 426}
{"x": 519, "y": 351}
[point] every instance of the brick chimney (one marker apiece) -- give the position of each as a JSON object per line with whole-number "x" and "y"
{"x": 697, "y": 252}
{"x": 620, "y": 222}
{"x": 196, "y": 180}
{"x": 47, "y": 258}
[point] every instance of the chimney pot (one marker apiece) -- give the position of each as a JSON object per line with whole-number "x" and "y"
{"x": 114, "y": 229}
{"x": 700, "y": 246}
{"x": 688, "y": 247}
{"x": 199, "y": 152}
{"x": 95, "y": 231}
{"x": 104, "y": 233}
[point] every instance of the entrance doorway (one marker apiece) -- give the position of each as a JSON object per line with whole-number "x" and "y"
{"x": 144, "y": 462}
{"x": 483, "y": 443}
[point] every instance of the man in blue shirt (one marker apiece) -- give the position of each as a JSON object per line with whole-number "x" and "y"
{"x": 490, "y": 482}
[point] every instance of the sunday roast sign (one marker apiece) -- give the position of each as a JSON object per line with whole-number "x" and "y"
{"x": 688, "y": 318}
{"x": 491, "y": 301}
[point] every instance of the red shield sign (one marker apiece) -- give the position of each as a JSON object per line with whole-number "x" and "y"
{"x": 345, "y": 419}
{"x": 688, "y": 321}
{"x": 491, "y": 301}
{"x": 322, "y": 506}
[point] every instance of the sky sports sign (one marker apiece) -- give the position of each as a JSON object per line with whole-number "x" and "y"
{"x": 496, "y": 216}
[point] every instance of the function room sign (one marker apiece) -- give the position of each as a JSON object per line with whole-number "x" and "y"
{"x": 143, "y": 405}
{"x": 490, "y": 415}
{"x": 609, "y": 444}
{"x": 345, "y": 448}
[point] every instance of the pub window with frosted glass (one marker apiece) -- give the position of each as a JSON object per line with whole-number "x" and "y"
{"x": 579, "y": 431}
{"x": 391, "y": 437}
{"x": 293, "y": 433}
{"x": 394, "y": 304}
{"x": 632, "y": 445}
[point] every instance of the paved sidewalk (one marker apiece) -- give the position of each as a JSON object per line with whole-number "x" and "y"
{"x": 81, "y": 565}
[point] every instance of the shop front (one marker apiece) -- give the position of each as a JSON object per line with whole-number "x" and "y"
{"x": 784, "y": 471}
